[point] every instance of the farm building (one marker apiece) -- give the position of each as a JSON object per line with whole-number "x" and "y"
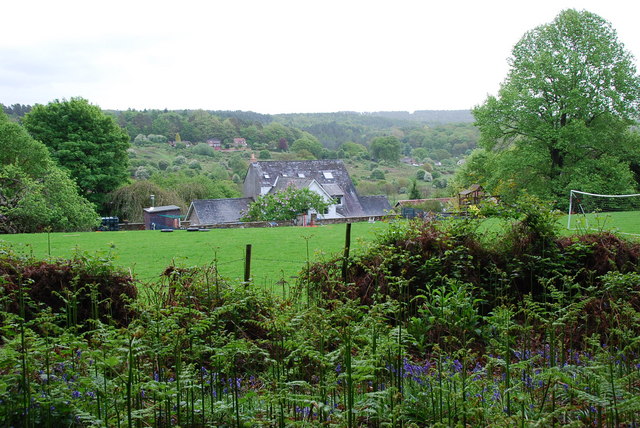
{"x": 165, "y": 217}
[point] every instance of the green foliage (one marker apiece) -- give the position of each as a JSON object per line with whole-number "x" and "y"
{"x": 203, "y": 149}
{"x": 377, "y": 174}
{"x": 354, "y": 150}
{"x": 414, "y": 192}
{"x": 34, "y": 193}
{"x": 238, "y": 165}
{"x": 128, "y": 201}
{"x": 264, "y": 155}
{"x": 386, "y": 148}
{"x": 141, "y": 173}
{"x": 307, "y": 143}
{"x": 286, "y": 204}
{"x": 84, "y": 141}
{"x": 163, "y": 164}
{"x": 179, "y": 160}
{"x": 556, "y": 122}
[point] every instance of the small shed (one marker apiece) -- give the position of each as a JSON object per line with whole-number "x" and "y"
{"x": 165, "y": 217}
{"x": 471, "y": 196}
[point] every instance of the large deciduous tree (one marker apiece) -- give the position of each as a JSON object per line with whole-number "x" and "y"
{"x": 84, "y": 141}
{"x": 386, "y": 148}
{"x": 562, "y": 116}
{"x": 34, "y": 193}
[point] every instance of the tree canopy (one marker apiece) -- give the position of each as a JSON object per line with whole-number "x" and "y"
{"x": 386, "y": 148}
{"x": 84, "y": 141}
{"x": 561, "y": 118}
{"x": 34, "y": 193}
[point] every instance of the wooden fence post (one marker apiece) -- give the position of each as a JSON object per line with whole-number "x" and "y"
{"x": 247, "y": 264}
{"x": 345, "y": 259}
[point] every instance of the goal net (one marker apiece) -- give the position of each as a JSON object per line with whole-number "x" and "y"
{"x": 591, "y": 211}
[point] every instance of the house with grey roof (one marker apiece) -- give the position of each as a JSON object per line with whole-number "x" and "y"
{"x": 328, "y": 178}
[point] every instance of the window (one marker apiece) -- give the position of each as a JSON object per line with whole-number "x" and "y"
{"x": 327, "y": 174}
{"x": 300, "y": 175}
{"x": 338, "y": 200}
{"x": 266, "y": 176}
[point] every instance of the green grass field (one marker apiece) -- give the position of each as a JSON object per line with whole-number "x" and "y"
{"x": 277, "y": 253}
{"x": 624, "y": 222}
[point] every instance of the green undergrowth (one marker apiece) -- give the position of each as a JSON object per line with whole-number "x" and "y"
{"x": 433, "y": 324}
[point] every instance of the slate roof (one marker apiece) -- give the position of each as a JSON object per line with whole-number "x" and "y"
{"x": 283, "y": 182}
{"x": 326, "y": 172}
{"x": 375, "y": 205}
{"x": 333, "y": 189}
{"x": 216, "y": 211}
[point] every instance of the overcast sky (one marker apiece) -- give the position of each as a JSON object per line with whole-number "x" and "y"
{"x": 274, "y": 56}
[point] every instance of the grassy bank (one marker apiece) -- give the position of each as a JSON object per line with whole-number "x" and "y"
{"x": 277, "y": 253}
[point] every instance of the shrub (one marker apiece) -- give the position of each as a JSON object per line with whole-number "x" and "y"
{"x": 84, "y": 288}
{"x": 203, "y": 149}
{"x": 377, "y": 174}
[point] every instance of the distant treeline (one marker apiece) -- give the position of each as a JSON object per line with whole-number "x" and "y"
{"x": 443, "y": 133}
{"x": 16, "y": 111}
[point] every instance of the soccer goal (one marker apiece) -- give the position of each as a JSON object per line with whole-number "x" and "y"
{"x": 591, "y": 211}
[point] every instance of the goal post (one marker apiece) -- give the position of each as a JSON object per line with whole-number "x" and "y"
{"x": 585, "y": 203}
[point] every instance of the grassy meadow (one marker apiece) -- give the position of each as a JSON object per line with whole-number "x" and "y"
{"x": 277, "y": 253}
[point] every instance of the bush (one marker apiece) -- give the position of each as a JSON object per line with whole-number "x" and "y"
{"x": 163, "y": 164}
{"x": 264, "y": 154}
{"x": 142, "y": 173}
{"x": 84, "y": 287}
{"x": 203, "y": 149}
{"x": 377, "y": 174}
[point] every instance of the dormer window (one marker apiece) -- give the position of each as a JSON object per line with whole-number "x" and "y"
{"x": 327, "y": 174}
